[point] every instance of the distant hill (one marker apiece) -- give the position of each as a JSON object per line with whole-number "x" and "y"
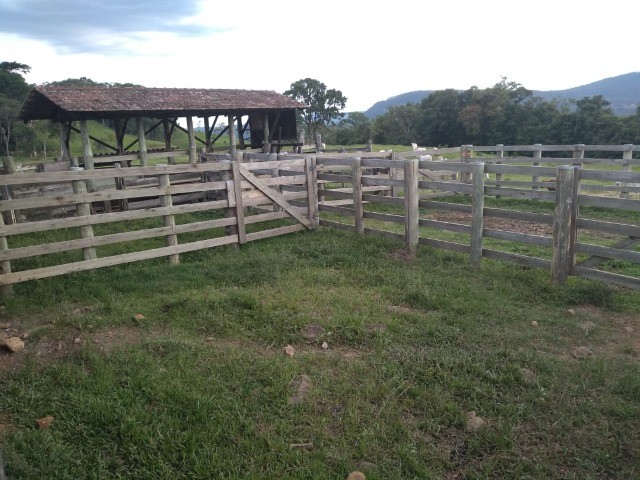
{"x": 623, "y": 92}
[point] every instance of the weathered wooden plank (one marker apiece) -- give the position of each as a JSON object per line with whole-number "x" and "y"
{"x": 563, "y": 225}
{"x": 384, "y": 217}
{"x": 616, "y": 203}
{"x": 609, "y": 175}
{"x": 44, "y": 225}
{"x": 516, "y": 258}
{"x": 449, "y": 166}
{"x": 446, "y": 226}
{"x": 411, "y": 208}
{"x": 461, "y": 188}
{"x": 107, "y": 195}
{"x": 519, "y": 193}
{"x": 337, "y": 225}
{"x": 614, "y": 252}
{"x": 383, "y": 200}
{"x": 109, "y": 239}
{"x": 356, "y": 181}
{"x": 71, "y": 175}
{"x": 329, "y": 161}
{"x": 381, "y": 181}
{"x": 477, "y": 214}
{"x": 607, "y": 277}
{"x": 538, "y": 240}
{"x": 84, "y": 265}
{"x": 169, "y": 221}
{"x": 332, "y": 177}
{"x": 311, "y": 170}
{"x": 237, "y": 185}
{"x": 274, "y": 232}
{"x": 270, "y": 165}
{"x": 345, "y": 212}
{"x": 500, "y": 169}
{"x": 5, "y": 265}
{"x": 610, "y": 227}
{"x": 445, "y": 245}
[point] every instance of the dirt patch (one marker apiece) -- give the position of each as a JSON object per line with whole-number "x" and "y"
{"x": 401, "y": 255}
{"x": 312, "y": 331}
{"x": 505, "y": 224}
{"x": 6, "y": 425}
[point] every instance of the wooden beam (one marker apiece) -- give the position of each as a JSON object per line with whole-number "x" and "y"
{"x": 232, "y": 136}
{"x": 87, "y": 153}
{"x": 193, "y": 155}
{"x": 142, "y": 141}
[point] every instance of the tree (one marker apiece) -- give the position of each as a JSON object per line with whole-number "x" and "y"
{"x": 13, "y": 91}
{"x": 9, "y": 110}
{"x": 398, "y": 126}
{"x": 324, "y": 105}
{"x": 355, "y": 129}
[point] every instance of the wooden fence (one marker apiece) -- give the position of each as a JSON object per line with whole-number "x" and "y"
{"x": 234, "y": 198}
{"x": 411, "y": 194}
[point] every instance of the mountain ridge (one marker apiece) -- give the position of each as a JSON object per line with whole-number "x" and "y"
{"x": 622, "y": 91}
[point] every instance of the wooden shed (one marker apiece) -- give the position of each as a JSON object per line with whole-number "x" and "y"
{"x": 270, "y": 117}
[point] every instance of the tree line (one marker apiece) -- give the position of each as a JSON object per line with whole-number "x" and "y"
{"x": 506, "y": 113}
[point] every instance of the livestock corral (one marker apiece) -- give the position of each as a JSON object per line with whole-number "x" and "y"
{"x": 583, "y": 221}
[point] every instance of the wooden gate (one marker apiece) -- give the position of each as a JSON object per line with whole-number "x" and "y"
{"x": 233, "y": 200}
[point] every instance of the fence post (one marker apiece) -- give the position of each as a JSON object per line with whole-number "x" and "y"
{"x": 477, "y": 210}
{"x": 564, "y": 224}
{"x": 393, "y": 174}
{"x": 5, "y": 265}
{"x": 627, "y": 155}
{"x": 169, "y": 220}
{"x": 578, "y": 153}
{"x": 411, "y": 204}
{"x": 312, "y": 189}
{"x": 466, "y": 154}
{"x": 87, "y": 154}
{"x": 237, "y": 188}
{"x": 84, "y": 209}
{"x": 142, "y": 142}
{"x": 356, "y": 176}
{"x": 537, "y": 154}
{"x": 500, "y": 155}
{"x": 9, "y": 169}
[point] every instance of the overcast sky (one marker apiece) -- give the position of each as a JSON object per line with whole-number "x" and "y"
{"x": 368, "y": 50}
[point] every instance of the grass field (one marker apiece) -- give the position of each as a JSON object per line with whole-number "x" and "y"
{"x": 200, "y": 387}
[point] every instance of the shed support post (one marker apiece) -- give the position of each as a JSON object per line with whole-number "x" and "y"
{"x": 142, "y": 142}
{"x": 193, "y": 154}
{"x": 266, "y": 144}
{"x": 87, "y": 153}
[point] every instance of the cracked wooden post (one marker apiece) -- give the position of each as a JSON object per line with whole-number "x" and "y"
{"x": 87, "y": 153}
{"x": 564, "y": 224}
{"x": 356, "y": 182}
{"x": 5, "y": 266}
{"x": 477, "y": 210}
{"x": 411, "y": 204}
{"x": 168, "y": 220}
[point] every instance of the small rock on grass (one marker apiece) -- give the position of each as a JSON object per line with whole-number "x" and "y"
{"x": 474, "y": 422}
{"x": 581, "y": 352}
{"x": 14, "y": 344}
{"x": 628, "y": 329}
{"x": 325, "y": 346}
{"x": 289, "y": 351}
{"x": 44, "y": 422}
{"x": 571, "y": 312}
{"x": 356, "y": 476}
{"x": 138, "y": 317}
{"x": 534, "y": 323}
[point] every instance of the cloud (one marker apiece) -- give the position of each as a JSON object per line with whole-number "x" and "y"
{"x": 99, "y": 26}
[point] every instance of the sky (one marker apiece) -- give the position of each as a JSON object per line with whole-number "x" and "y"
{"x": 370, "y": 51}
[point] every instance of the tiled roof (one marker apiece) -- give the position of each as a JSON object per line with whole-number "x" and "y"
{"x": 70, "y": 102}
